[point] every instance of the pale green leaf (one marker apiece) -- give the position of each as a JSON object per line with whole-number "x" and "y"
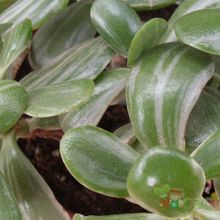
{"x": 8, "y": 206}
{"x": 185, "y": 8}
{"x": 142, "y": 5}
{"x": 116, "y": 22}
{"x": 98, "y": 160}
{"x": 166, "y": 182}
{"x": 86, "y": 60}
{"x": 209, "y": 149}
{"x": 162, "y": 90}
{"x": 147, "y": 37}
{"x": 13, "y": 102}
{"x": 33, "y": 196}
{"x": 39, "y": 12}
{"x": 57, "y": 99}
{"x": 14, "y": 41}
{"x": 63, "y": 31}
{"x": 203, "y": 33}
{"x": 107, "y": 86}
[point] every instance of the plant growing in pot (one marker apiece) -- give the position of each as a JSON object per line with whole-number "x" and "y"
{"x": 161, "y": 160}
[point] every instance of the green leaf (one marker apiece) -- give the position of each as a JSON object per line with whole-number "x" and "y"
{"x": 116, "y": 22}
{"x": 68, "y": 28}
{"x": 138, "y": 216}
{"x": 15, "y": 40}
{"x": 108, "y": 86}
{"x": 13, "y": 102}
{"x": 142, "y": 5}
{"x": 8, "y": 206}
{"x": 209, "y": 149}
{"x": 203, "y": 33}
{"x": 57, "y": 99}
{"x": 86, "y": 60}
{"x": 147, "y": 37}
{"x": 162, "y": 90}
{"x": 39, "y": 12}
{"x": 5, "y": 4}
{"x": 185, "y": 8}
{"x": 217, "y": 64}
{"x": 161, "y": 167}
{"x": 98, "y": 160}
{"x": 203, "y": 120}
{"x": 33, "y": 196}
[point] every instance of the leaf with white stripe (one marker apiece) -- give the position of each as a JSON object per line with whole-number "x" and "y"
{"x": 86, "y": 60}
{"x": 57, "y": 99}
{"x": 14, "y": 41}
{"x": 39, "y": 12}
{"x": 116, "y": 22}
{"x": 98, "y": 160}
{"x": 209, "y": 149}
{"x": 142, "y": 5}
{"x": 33, "y": 196}
{"x": 203, "y": 33}
{"x": 13, "y": 102}
{"x": 63, "y": 31}
{"x": 185, "y": 8}
{"x": 162, "y": 90}
{"x": 107, "y": 87}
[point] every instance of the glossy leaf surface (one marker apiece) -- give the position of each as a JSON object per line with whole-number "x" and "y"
{"x": 116, "y": 22}
{"x": 141, "y": 5}
{"x": 185, "y": 8}
{"x": 147, "y": 37}
{"x": 39, "y": 12}
{"x": 203, "y": 33}
{"x": 34, "y": 198}
{"x": 8, "y": 206}
{"x": 68, "y": 28}
{"x": 13, "y": 102}
{"x": 139, "y": 216}
{"x": 14, "y": 41}
{"x": 162, "y": 90}
{"x": 98, "y": 160}
{"x": 107, "y": 86}
{"x": 58, "y": 99}
{"x": 86, "y": 60}
{"x": 211, "y": 148}
{"x": 203, "y": 120}
{"x": 166, "y": 182}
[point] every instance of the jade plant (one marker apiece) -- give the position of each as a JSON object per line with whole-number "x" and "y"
{"x": 162, "y": 159}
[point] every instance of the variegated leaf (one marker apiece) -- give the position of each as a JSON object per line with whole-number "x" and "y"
{"x": 39, "y": 12}
{"x": 162, "y": 90}
{"x": 63, "y": 31}
{"x": 107, "y": 86}
{"x": 86, "y": 60}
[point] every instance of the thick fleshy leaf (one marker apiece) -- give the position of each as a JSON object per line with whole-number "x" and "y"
{"x": 5, "y": 4}
{"x": 8, "y": 206}
{"x": 98, "y": 160}
{"x": 13, "y": 102}
{"x": 203, "y": 33}
{"x": 203, "y": 120}
{"x": 139, "y": 216}
{"x": 166, "y": 182}
{"x": 34, "y": 198}
{"x": 39, "y": 12}
{"x": 185, "y": 8}
{"x": 71, "y": 26}
{"x": 86, "y": 60}
{"x": 116, "y": 22}
{"x": 147, "y": 37}
{"x": 142, "y": 5}
{"x": 57, "y": 99}
{"x": 107, "y": 87}
{"x": 14, "y": 41}
{"x": 162, "y": 90}
{"x": 209, "y": 149}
